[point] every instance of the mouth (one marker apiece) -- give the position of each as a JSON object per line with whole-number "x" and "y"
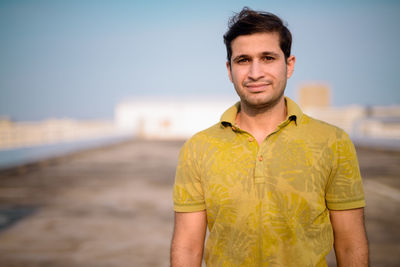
{"x": 257, "y": 87}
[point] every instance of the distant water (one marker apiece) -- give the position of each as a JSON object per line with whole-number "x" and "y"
{"x": 15, "y": 157}
{"x": 10, "y": 216}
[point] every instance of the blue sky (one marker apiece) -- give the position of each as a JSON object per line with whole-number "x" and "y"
{"x": 80, "y": 58}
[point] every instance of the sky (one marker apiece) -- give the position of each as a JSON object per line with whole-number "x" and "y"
{"x": 79, "y": 59}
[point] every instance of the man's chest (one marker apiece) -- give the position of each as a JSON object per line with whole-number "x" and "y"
{"x": 276, "y": 176}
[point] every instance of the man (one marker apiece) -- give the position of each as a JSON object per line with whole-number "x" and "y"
{"x": 274, "y": 186}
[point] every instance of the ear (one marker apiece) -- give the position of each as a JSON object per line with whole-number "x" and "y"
{"x": 290, "y": 66}
{"x": 228, "y": 67}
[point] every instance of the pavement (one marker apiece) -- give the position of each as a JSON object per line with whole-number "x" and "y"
{"x": 112, "y": 206}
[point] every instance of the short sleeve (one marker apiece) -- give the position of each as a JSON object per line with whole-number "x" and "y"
{"x": 344, "y": 189}
{"x": 188, "y": 192}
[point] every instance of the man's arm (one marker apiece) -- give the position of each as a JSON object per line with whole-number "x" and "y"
{"x": 350, "y": 239}
{"x": 188, "y": 239}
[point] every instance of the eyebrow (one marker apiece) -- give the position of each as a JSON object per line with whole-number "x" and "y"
{"x": 269, "y": 53}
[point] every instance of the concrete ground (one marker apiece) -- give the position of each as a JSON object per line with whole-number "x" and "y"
{"x": 112, "y": 207}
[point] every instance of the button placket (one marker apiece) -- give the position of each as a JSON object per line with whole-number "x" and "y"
{"x": 260, "y": 169}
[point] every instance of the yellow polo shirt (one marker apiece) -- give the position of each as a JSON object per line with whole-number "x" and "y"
{"x": 267, "y": 205}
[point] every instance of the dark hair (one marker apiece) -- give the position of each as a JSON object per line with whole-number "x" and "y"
{"x": 249, "y": 21}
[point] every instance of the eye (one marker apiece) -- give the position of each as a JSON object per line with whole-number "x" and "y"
{"x": 242, "y": 60}
{"x": 268, "y": 58}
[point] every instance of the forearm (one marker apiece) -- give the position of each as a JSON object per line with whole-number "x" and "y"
{"x": 188, "y": 239}
{"x": 356, "y": 255}
{"x": 350, "y": 238}
{"x": 185, "y": 257}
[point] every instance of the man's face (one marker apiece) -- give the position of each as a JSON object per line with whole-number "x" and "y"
{"x": 258, "y": 69}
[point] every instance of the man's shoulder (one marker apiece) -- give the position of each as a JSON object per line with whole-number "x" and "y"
{"x": 215, "y": 131}
{"x": 322, "y": 129}
{"x": 316, "y": 124}
{"x": 215, "y": 135}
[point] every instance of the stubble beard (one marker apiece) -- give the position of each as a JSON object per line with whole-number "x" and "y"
{"x": 260, "y": 104}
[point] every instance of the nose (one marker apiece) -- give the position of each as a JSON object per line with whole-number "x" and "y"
{"x": 255, "y": 71}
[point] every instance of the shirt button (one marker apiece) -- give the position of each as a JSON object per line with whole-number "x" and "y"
{"x": 260, "y": 158}
{"x": 251, "y": 139}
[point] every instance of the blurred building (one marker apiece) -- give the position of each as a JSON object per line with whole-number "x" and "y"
{"x": 372, "y": 122}
{"x": 169, "y": 119}
{"x": 181, "y": 118}
{"x": 315, "y": 95}
{"x": 26, "y": 134}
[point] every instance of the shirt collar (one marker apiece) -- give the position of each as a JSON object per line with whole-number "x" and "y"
{"x": 293, "y": 113}
{"x": 229, "y": 116}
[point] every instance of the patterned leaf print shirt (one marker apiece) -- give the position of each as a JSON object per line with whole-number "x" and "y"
{"x": 268, "y": 204}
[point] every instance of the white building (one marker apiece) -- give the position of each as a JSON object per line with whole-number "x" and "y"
{"x": 27, "y": 134}
{"x": 169, "y": 118}
{"x": 181, "y": 118}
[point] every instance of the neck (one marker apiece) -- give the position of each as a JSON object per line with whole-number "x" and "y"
{"x": 261, "y": 122}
